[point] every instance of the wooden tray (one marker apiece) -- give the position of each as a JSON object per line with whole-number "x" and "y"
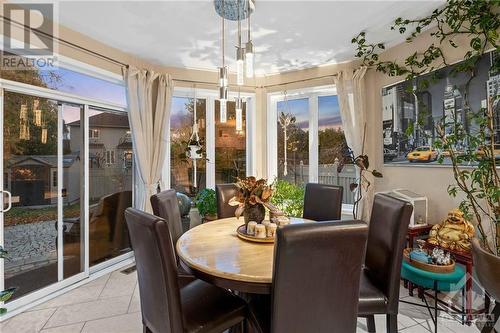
{"x": 241, "y": 231}
{"x": 428, "y": 267}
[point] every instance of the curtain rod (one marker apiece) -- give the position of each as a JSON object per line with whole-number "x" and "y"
{"x": 117, "y": 62}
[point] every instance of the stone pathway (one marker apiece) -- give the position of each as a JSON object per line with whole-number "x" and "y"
{"x": 29, "y": 246}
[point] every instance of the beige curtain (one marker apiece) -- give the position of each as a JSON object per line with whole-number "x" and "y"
{"x": 149, "y": 96}
{"x": 351, "y": 94}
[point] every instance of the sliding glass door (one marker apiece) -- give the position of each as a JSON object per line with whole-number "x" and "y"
{"x": 42, "y": 174}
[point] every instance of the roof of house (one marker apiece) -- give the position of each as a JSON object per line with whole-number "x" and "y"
{"x": 49, "y": 160}
{"x": 106, "y": 119}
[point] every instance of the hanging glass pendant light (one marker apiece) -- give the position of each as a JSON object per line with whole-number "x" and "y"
{"x": 249, "y": 47}
{"x": 223, "y": 81}
{"x": 239, "y": 113}
{"x": 240, "y": 54}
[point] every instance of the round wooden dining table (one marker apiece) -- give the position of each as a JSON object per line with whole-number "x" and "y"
{"x": 214, "y": 253}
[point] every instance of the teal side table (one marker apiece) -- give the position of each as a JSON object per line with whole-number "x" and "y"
{"x": 438, "y": 282}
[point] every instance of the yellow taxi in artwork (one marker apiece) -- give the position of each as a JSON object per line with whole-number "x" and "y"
{"x": 422, "y": 154}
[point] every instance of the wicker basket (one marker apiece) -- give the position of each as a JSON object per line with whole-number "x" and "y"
{"x": 428, "y": 267}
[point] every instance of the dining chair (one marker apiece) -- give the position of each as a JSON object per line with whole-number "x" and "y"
{"x": 166, "y": 308}
{"x": 323, "y": 202}
{"x": 380, "y": 277}
{"x": 316, "y": 269}
{"x": 166, "y": 206}
{"x": 224, "y": 193}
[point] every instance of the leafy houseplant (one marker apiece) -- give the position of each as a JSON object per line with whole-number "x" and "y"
{"x": 362, "y": 183}
{"x": 206, "y": 203}
{"x": 252, "y": 196}
{"x": 5, "y": 295}
{"x": 479, "y": 22}
{"x": 288, "y": 198}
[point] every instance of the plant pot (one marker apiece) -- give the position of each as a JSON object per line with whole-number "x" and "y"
{"x": 255, "y": 213}
{"x": 487, "y": 268}
{"x": 209, "y": 218}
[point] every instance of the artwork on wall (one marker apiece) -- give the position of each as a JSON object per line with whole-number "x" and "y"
{"x": 405, "y": 142}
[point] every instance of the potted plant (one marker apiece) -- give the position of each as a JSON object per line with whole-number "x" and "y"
{"x": 6, "y": 294}
{"x": 252, "y": 196}
{"x": 206, "y": 203}
{"x": 288, "y": 198}
{"x": 479, "y": 183}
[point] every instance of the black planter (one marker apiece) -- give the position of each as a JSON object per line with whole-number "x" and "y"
{"x": 255, "y": 213}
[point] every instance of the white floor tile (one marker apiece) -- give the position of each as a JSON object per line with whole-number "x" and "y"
{"x": 128, "y": 323}
{"x": 135, "y": 302}
{"x": 27, "y": 322}
{"x": 82, "y": 294}
{"x": 75, "y": 313}
{"x": 73, "y": 328}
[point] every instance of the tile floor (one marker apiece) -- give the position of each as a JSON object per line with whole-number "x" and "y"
{"x": 110, "y": 304}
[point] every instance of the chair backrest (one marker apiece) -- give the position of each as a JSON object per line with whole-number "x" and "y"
{"x": 156, "y": 271}
{"x": 316, "y": 277}
{"x": 323, "y": 202}
{"x": 166, "y": 206}
{"x": 386, "y": 241}
{"x": 224, "y": 193}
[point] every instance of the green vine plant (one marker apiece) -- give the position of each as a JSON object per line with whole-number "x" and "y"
{"x": 6, "y": 294}
{"x": 479, "y": 22}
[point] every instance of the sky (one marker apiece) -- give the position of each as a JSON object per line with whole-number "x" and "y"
{"x": 329, "y": 113}
{"x": 87, "y": 86}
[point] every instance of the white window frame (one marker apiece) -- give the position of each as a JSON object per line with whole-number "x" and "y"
{"x": 312, "y": 94}
{"x": 211, "y": 96}
{"x": 90, "y": 272}
{"x": 94, "y": 133}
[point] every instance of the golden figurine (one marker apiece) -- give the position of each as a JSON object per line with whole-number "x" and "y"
{"x": 454, "y": 233}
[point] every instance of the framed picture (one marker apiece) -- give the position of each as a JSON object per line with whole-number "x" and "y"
{"x": 409, "y": 118}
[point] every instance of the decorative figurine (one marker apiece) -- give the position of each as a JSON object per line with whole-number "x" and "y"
{"x": 454, "y": 233}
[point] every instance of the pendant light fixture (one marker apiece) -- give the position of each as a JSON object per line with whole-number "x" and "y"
{"x": 240, "y": 53}
{"x": 249, "y": 47}
{"x": 239, "y": 113}
{"x": 223, "y": 82}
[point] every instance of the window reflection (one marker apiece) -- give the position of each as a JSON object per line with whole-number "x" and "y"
{"x": 230, "y": 145}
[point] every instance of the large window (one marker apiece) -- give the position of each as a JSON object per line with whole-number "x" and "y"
{"x": 230, "y": 145}
{"x": 68, "y": 163}
{"x": 184, "y": 170}
{"x": 226, "y": 153}
{"x": 305, "y": 129}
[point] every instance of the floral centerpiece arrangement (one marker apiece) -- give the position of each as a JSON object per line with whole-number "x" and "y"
{"x": 252, "y": 198}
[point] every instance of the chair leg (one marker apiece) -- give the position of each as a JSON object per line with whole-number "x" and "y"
{"x": 489, "y": 326}
{"x": 370, "y": 324}
{"x": 146, "y": 329}
{"x": 392, "y": 323}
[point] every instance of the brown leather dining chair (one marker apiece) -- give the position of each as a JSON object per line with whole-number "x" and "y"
{"x": 224, "y": 193}
{"x": 198, "y": 307}
{"x": 166, "y": 206}
{"x": 381, "y": 274}
{"x": 316, "y": 269}
{"x": 323, "y": 202}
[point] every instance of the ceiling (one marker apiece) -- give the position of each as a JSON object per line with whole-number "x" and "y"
{"x": 288, "y": 35}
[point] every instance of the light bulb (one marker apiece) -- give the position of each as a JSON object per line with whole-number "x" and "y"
{"x": 249, "y": 58}
{"x": 239, "y": 114}
{"x": 223, "y": 111}
{"x": 223, "y": 76}
{"x": 240, "y": 65}
{"x": 239, "y": 72}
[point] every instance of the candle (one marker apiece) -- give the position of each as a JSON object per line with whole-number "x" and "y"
{"x": 283, "y": 220}
{"x": 260, "y": 231}
{"x": 271, "y": 229}
{"x": 251, "y": 227}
